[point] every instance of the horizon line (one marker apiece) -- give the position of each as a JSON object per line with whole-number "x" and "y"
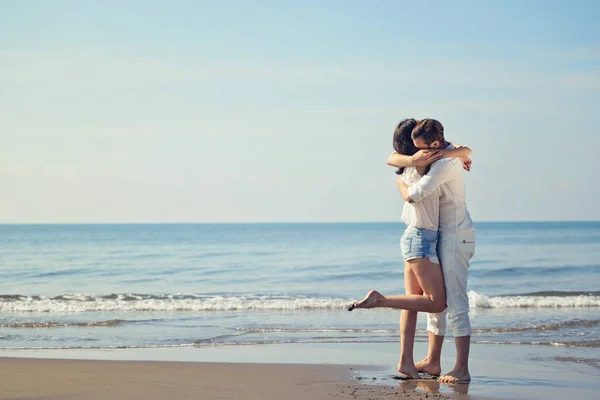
{"x": 273, "y": 222}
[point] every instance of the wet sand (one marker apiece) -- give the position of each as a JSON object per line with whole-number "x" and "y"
{"x": 292, "y": 371}
{"x": 58, "y": 379}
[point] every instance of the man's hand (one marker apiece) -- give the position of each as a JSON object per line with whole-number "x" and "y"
{"x": 423, "y": 158}
{"x": 466, "y": 163}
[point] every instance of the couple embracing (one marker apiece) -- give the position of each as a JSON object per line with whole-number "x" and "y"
{"x": 437, "y": 245}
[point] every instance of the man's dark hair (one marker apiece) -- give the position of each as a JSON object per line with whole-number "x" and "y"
{"x": 429, "y": 130}
{"x": 403, "y": 143}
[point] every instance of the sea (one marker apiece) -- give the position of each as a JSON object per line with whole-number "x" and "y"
{"x": 122, "y": 286}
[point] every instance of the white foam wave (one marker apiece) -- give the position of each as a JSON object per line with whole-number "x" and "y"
{"x": 477, "y": 300}
{"x": 77, "y": 303}
{"x": 129, "y": 303}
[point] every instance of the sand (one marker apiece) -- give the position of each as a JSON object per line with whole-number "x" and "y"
{"x": 60, "y": 379}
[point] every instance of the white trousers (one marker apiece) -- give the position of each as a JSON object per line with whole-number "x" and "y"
{"x": 454, "y": 252}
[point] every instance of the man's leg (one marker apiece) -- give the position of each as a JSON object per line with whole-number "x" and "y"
{"x": 431, "y": 364}
{"x": 462, "y": 248}
{"x": 460, "y": 372}
{"x": 436, "y": 329}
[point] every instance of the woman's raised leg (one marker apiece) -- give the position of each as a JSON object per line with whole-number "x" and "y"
{"x": 433, "y": 299}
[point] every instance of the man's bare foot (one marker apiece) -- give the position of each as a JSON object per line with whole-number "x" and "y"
{"x": 409, "y": 370}
{"x": 429, "y": 367}
{"x": 371, "y": 301}
{"x": 457, "y": 375}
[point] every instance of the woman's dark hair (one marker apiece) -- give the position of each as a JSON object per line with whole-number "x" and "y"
{"x": 403, "y": 142}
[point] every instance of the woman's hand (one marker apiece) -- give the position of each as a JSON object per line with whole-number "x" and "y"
{"x": 466, "y": 160}
{"x": 466, "y": 163}
{"x": 403, "y": 187}
{"x": 399, "y": 182}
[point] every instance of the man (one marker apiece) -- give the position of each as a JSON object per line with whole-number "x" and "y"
{"x": 456, "y": 245}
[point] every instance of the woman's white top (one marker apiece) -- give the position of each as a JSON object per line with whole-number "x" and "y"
{"x": 424, "y": 214}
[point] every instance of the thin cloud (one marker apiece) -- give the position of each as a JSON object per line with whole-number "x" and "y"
{"x": 106, "y": 71}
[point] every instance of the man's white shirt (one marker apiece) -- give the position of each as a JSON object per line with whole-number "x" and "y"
{"x": 445, "y": 175}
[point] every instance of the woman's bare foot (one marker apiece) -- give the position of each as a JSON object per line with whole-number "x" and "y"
{"x": 457, "y": 375}
{"x": 371, "y": 301}
{"x": 409, "y": 370}
{"x": 429, "y": 367}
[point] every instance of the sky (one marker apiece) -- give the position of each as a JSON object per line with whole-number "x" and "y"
{"x": 283, "y": 111}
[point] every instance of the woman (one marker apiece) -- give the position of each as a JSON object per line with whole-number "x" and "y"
{"x": 423, "y": 279}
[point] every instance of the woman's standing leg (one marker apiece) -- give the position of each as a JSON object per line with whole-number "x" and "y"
{"x": 408, "y": 326}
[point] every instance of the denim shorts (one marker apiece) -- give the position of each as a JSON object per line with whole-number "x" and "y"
{"x": 419, "y": 243}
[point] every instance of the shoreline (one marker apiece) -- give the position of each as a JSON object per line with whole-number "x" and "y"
{"x": 499, "y": 372}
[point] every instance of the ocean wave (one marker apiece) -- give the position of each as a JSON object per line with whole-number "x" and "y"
{"x": 128, "y": 302}
{"x": 579, "y": 323}
{"x": 209, "y": 343}
{"x": 558, "y": 300}
{"x": 592, "y": 362}
{"x": 52, "y": 324}
{"x": 131, "y": 302}
{"x": 158, "y": 346}
{"x": 591, "y": 343}
{"x": 340, "y": 330}
{"x": 558, "y": 293}
{"x": 525, "y": 271}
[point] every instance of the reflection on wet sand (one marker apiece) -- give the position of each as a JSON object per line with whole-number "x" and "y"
{"x": 431, "y": 385}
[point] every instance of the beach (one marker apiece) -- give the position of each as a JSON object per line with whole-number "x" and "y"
{"x": 197, "y": 194}
{"x": 275, "y": 297}
{"x": 69, "y": 379}
{"x": 293, "y": 371}
{"x": 98, "y": 380}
